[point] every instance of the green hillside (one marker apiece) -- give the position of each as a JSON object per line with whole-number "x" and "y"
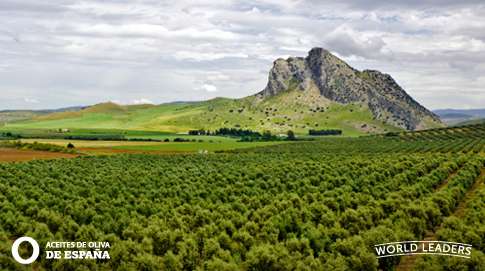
{"x": 292, "y": 110}
{"x": 471, "y": 122}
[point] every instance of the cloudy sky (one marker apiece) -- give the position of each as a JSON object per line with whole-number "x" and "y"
{"x": 61, "y": 53}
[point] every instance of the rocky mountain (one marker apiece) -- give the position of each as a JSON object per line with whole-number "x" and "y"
{"x": 317, "y": 92}
{"x": 336, "y": 81}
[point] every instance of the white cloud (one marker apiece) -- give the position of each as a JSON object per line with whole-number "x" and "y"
{"x": 154, "y": 31}
{"x": 142, "y": 101}
{"x": 31, "y": 100}
{"x": 218, "y": 76}
{"x": 350, "y": 42}
{"x": 166, "y": 49}
{"x": 208, "y": 88}
{"x": 206, "y": 56}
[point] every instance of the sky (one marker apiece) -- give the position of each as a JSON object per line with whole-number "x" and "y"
{"x": 60, "y": 53}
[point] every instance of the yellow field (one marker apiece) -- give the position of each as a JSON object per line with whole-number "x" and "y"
{"x": 104, "y": 147}
{"x": 90, "y": 143}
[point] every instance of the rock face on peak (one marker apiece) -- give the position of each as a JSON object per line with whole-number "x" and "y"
{"x": 338, "y": 82}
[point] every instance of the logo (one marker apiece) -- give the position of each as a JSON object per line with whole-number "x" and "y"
{"x": 35, "y": 250}
{"x": 423, "y": 247}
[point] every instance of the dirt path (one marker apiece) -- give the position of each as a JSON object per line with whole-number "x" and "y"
{"x": 17, "y": 155}
{"x": 407, "y": 262}
{"x": 445, "y": 182}
{"x": 111, "y": 151}
{"x": 460, "y": 210}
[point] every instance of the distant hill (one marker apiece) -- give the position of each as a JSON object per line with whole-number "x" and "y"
{"x": 457, "y": 116}
{"x": 16, "y": 115}
{"x": 470, "y": 122}
{"x": 317, "y": 92}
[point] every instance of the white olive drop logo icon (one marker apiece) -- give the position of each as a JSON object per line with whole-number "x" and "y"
{"x": 35, "y": 250}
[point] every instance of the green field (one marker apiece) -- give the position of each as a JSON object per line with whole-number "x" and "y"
{"x": 292, "y": 110}
{"x": 198, "y": 146}
{"x": 131, "y": 140}
{"x": 209, "y": 144}
{"x": 465, "y": 138}
{"x": 95, "y": 132}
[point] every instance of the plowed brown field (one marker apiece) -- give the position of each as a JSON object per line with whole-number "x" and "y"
{"x": 12, "y": 155}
